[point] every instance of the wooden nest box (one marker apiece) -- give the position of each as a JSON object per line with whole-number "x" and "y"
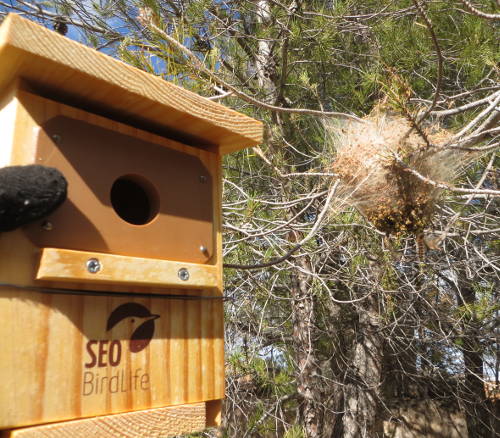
{"x": 111, "y": 309}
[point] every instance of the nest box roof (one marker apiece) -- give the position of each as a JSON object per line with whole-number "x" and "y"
{"x": 65, "y": 70}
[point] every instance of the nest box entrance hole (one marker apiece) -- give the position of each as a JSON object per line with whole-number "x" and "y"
{"x": 135, "y": 199}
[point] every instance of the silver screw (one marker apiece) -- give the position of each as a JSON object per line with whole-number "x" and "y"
{"x": 47, "y": 226}
{"x": 93, "y": 266}
{"x": 204, "y": 250}
{"x": 203, "y": 179}
{"x": 183, "y": 274}
{"x": 56, "y": 138}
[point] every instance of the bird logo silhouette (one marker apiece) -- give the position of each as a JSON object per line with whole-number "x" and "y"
{"x": 142, "y": 335}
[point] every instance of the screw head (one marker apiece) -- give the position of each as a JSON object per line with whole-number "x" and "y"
{"x": 203, "y": 179}
{"x": 93, "y": 266}
{"x": 56, "y": 138}
{"x": 183, "y": 274}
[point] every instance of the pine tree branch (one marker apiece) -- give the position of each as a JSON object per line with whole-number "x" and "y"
{"x": 201, "y": 68}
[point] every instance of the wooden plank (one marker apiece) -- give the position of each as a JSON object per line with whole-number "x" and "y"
{"x": 8, "y": 109}
{"x": 150, "y": 423}
{"x": 67, "y": 357}
{"x": 68, "y": 265}
{"x": 216, "y": 316}
{"x": 75, "y": 73}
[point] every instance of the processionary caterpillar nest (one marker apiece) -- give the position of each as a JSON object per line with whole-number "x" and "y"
{"x": 391, "y": 198}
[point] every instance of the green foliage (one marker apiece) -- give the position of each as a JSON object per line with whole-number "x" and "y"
{"x": 484, "y": 308}
{"x": 477, "y": 46}
{"x": 296, "y": 431}
{"x": 265, "y": 377}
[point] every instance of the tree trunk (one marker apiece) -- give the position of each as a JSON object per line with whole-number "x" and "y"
{"x": 309, "y": 372}
{"x": 362, "y": 416}
{"x": 335, "y": 367}
{"x": 264, "y": 62}
{"x": 477, "y": 414}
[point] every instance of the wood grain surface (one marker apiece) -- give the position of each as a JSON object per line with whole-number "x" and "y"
{"x": 84, "y": 77}
{"x": 150, "y": 423}
{"x": 66, "y": 357}
{"x": 71, "y": 266}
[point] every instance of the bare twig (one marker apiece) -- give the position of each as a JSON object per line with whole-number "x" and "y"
{"x": 299, "y": 245}
{"x": 462, "y": 108}
{"x": 492, "y": 107}
{"x": 475, "y": 11}
{"x": 450, "y": 223}
{"x": 443, "y": 186}
{"x": 40, "y": 12}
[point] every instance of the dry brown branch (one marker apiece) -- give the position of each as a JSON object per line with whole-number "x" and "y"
{"x": 437, "y": 47}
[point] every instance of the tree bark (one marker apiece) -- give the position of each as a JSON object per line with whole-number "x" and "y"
{"x": 308, "y": 369}
{"x": 264, "y": 62}
{"x": 477, "y": 414}
{"x": 362, "y": 416}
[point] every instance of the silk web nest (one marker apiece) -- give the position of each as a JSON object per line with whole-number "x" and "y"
{"x": 372, "y": 180}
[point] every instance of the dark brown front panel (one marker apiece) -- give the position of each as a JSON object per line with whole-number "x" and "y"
{"x": 126, "y": 196}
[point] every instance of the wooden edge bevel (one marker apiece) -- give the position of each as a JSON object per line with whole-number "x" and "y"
{"x": 149, "y": 423}
{"x": 82, "y": 76}
{"x": 73, "y": 266}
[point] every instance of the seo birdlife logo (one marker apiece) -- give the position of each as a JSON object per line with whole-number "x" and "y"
{"x": 101, "y": 354}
